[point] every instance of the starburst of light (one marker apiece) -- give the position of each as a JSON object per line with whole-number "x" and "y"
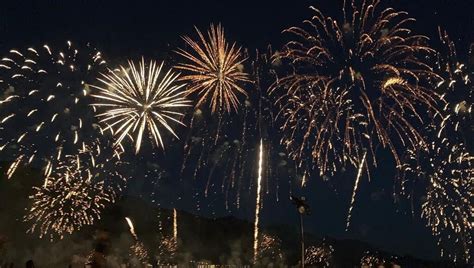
{"x": 356, "y": 82}
{"x": 140, "y": 98}
{"x": 214, "y": 70}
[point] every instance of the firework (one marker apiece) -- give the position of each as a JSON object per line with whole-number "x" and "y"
{"x": 445, "y": 169}
{"x": 140, "y": 98}
{"x": 224, "y": 158}
{"x": 175, "y": 224}
{"x": 214, "y": 70}
{"x": 45, "y": 105}
{"x": 257, "y": 202}
{"x": 372, "y": 260}
{"x": 320, "y": 256}
{"x": 138, "y": 249}
{"x": 456, "y": 87}
{"x": 445, "y": 172}
{"x": 167, "y": 249}
{"x": 75, "y": 194}
{"x": 356, "y": 184}
{"x": 357, "y": 82}
{"x": 269, "y": 250}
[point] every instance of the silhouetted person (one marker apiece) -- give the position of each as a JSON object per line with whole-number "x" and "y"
{"x": 30, "y": 264}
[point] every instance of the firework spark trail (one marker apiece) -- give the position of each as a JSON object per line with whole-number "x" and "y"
{"x": 138, "y": 249}
{"x": 137, "y": 99}
{"x": 46, "y": 101}
{"x": 354, "y": 192}
{"x": 351, "y": 88}
{"x": 214, "y": 70}
{"x": 257, "y": 203}
{"x": 175, "y": 224}
{"x": 131, "y": 228}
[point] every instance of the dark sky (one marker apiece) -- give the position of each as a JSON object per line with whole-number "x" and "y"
{"x": 125, "y": 29}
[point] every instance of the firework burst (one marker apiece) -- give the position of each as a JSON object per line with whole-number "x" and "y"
{"x": 75, "y": 194}
{"x": 269, "y": 250}
{"x": 372, "y": 260}
{"x": 140, "y": 98}
{"x": 320, "y": 256}
{"x": 357, "y": 82}
{"x": 445, "y": 170}
{"x": 214, "y": 70}
{"x": 45, "y": 112}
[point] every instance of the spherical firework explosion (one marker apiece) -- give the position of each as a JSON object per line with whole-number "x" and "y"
{"x": 214, "y": 70}
{"x": 75, "y": 194}
{"x": 357, "y": 82}
{"x": 45, "y": 112}
{"x": 136, "y": 99}
{"x": 320, "y": 256}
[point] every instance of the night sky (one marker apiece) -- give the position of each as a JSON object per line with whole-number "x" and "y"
{"x": 131, "y": 29}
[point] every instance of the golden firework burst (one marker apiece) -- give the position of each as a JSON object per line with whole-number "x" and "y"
{"x": 215, "y": 70}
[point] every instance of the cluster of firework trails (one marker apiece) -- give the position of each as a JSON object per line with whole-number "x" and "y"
{"x": 341, "y": 90}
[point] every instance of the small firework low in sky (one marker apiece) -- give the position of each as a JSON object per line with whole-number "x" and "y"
{"x": 75, "y": 194}
{"x": 140, "y": 99}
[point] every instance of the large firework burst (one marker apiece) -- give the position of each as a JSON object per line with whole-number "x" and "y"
{"x": 357, "y": 82}
{"x": 76, "y": 193}
{"x": 214, "y": 70}
{"x": 140, "y": 98}
{"x": 45, "y": 112}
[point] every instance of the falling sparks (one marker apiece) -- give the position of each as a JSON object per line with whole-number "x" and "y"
{"x": 320, "y": 256}
{"x": 351, "y": 88}
{"x": 257, "y": 203}
{"x": 137, "y": 99}
{"x": 372, "y": 260}
{"x": 445, "y": 170}
{"x": 214, "y": 70}
{"x": 269, "y": 250}
{"x": 45, "y": 108}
